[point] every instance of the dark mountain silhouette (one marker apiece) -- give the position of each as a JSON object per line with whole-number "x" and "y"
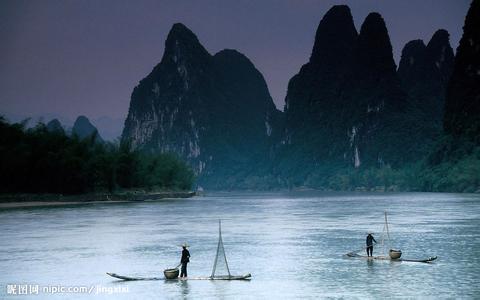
{"x": 462, "y": 109}
{"x": 214, "y": 111}
{"x": 315, "y": 131}
{"x": 352, "y": 119}
{"x": 84, "y": 129}
{"x": 346, "y": 107}
{"x": 315, "y": 89}
{"x": 55, "y": 126}
{"x": 454, "y": 164}
{"x": 379, "y": 104}
{"x": 424, "y": 72}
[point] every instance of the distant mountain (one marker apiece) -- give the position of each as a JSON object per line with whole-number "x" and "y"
{"x": 314, "y": 90}
{"x": 378, "y": 106}
{"x": 315, "y": 128}
{"x": 109, "y": 127}
{"x": 55, "y": 126}
{"x": 33, "y": 120}
{"x": 213, "y": 111}
{"x": 346, "y": 108}
{"x": 84, "y": 129}
{"x": 454, "y": 164}
{"x": 424, "y": 72}
{"x": 462, "y": 109}
{"x": 351, "y": 119}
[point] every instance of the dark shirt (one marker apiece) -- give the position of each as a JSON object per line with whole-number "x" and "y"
{"x": 185, "y": 256}
{"x": 370, "y": 240}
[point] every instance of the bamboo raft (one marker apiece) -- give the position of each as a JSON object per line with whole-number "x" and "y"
{"x": 380, "y": 257}
{"x": 128, "y": 278}
{"x": 393, "y": 255}
{"x": 172, "y": 274}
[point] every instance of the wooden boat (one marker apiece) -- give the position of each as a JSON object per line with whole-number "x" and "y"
{"x": 172, "y": 274}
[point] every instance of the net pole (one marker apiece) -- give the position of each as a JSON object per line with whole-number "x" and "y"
{"x": 216, "y": 255}
{"x": 383, "y": 239}
{"x": 220, "y": 247}
{"x": 386, "y": 226}
{"x": 223, "y": 249}
{"x": 388, "y": 232}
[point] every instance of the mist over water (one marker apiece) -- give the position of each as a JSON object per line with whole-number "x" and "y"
{"x": 293, "y": 244}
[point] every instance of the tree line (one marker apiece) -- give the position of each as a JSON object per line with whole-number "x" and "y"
{"x": 38, "y": 160}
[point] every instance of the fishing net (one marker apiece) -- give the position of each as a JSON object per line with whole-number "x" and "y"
{"x": 220, "y": 266}
{"x": 384, "y": 241}
{"x": 385, "y": 237}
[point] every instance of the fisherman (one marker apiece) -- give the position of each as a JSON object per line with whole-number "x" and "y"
{"x": 185, "y": 260}
{"x": 370, "y": 240}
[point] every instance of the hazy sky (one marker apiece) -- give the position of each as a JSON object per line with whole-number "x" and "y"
{"x": 70, "y": 57}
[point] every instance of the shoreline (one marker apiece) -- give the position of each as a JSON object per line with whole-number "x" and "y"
{"x": 34, "y": 200}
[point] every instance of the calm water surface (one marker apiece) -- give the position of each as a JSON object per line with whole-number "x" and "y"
{"x": 293, "y": 244}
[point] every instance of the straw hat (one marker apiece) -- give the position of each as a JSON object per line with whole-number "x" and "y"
{"x": 185, "y": 245}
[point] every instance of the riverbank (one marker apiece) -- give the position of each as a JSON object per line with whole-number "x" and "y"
{"x": 29, "y": 200}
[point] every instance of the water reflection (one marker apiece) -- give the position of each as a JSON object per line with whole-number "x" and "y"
{"x": 370, "y": 265}
{"x": 293, "y": 244}
{"x": 221, "y": 288}
{"x": 184, "y": 288}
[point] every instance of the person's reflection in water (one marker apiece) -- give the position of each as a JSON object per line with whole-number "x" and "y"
{"x": 370, "y": 265}
{"x": 184, "y": 288}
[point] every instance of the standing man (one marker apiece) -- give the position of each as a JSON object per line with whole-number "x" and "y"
{"x": 185, "y": 260}
{"x": 370, "y": 240}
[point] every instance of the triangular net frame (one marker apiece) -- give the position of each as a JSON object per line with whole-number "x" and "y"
{"x": 220, "y": 266}
{"x": 385, "y": 237}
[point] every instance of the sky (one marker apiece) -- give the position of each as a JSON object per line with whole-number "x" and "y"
{"x": 70, "y": 57}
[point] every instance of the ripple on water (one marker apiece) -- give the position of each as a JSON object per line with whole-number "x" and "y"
{"x": 292, "y": 243}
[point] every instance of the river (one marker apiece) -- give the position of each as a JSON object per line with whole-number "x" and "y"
{"x": 293, "y": 244}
